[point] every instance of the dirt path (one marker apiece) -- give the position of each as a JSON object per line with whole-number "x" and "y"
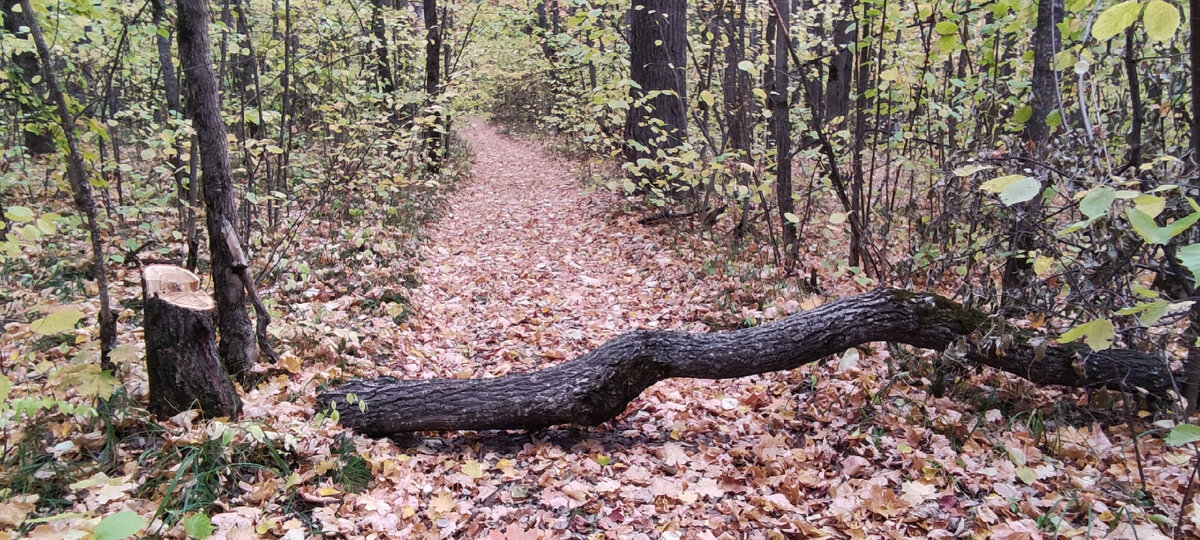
{"x": 526, "y": 267}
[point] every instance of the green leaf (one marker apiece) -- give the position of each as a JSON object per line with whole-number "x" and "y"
{"x": 118, "y": 526}
{"x": 1153, "y": 234}
{"x": 1189, "y": 257}
{"x": 19, "y": 213}
{"x": 998, "y": 184}
{"x": 57, "y": 322}
{"x": 1097, "y": 202}
{"x": 945, "y": 28}
{"x": 1023, "y": 114}
{"x": 1184, "y": 434}
{"x": 46, "y": 223}
{"x": 947, "y": 43}
{"x": 791, "y": 218}
{"x": 1116, "y": 19}
{"x": 5, "y": 387}
{"x": 1161, "y": 20}
{"x": 1027, "y": 475}
{"x": 1097, "y": 334}
{"x": 1054, "y": 119}
{"x": 1014, "y": 188}
{"x": 198, "y": 526}
{"x": 1148, "y": 312}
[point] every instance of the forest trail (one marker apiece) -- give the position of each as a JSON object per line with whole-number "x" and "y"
{"x": 526, "y": 267}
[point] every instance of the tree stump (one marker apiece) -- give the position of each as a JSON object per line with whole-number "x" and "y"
{"x": 181, "y": 347}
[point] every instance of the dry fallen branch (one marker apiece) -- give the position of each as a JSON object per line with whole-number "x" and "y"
{"x": 598, "y": 386}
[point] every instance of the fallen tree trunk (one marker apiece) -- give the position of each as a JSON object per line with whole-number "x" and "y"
{"x": 598, "y": 386}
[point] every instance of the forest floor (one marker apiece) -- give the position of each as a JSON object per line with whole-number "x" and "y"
{"x": 527, "y": 268}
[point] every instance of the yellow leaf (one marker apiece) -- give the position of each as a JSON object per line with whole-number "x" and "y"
{"x": 1042, "y": 264}
{"x": 444, "y": 502}
{"x": 472, "y": 469}
{"x": 57, "y": 322}
{"x": 291, "y": 363}
{"x": 327, "y": 491}
{"x": 1151, "y": 205}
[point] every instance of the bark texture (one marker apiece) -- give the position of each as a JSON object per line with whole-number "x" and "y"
{"x": 781, "y": 129}
{"x": 837, "y": 93}
{"x": 434, "y": 133}
{"x": 658, "y": 60}
{"x": 238, "y": 347}
{"x": 1043, "y": 92}
{"x": 17, "y": 22}
{"x": 598, "y": 386}
{"x": 181, "y": 353}
{"x": 738, "y": 104}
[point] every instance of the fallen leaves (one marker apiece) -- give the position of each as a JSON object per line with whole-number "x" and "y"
{"x": 527, "y": 271}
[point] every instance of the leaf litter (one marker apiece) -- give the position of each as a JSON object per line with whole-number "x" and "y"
{"x": 526, "y": 269}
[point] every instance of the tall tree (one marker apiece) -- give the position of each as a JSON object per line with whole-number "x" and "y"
{"x": 1194, "y": 55}
{"x": 1042, "y": 100}
{"x": 185, "y": 186}
{"x": 1043, "y": 92}
{"x": 433, "y": 83}
{"x": 81, "y": 186}
{"x": 383, "y": 66}
{"x": 837, "y": 93}
{"x": 17, "y": 22}
{"x": 736, "y": 93}
{"x": 238, "y": 348}
{"x": 781, "y": 129}
{"x": 656, "y": 119}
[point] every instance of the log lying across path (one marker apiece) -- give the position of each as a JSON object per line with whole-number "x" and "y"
{"x": 598, "y": 386}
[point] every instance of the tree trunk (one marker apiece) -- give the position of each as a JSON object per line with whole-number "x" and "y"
{"x": 383, "y": 66}
{"x": 736, "y": 97}
{"x": 1135, "y": 99}
{"x": 37, "y": 140}
{"x": 187, "y": 212}
{"x": 837, "y": 92}
{"x": 1043, "y": 100}
{"x": 781, "y": 131}
{"x": 1044, "y": 88}
{"x": 1194, "y": 56}
{"x": 658, "y": 63}
{"x": 81, "y": 186}
{"x": 238, "y": 348}
{"x": 598, "y": 386}
{"x": 181, "y": 347}
{"x": 433, "y": 72}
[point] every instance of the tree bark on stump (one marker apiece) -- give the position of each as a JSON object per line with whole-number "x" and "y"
{"x": 181, "y": 347}
{"x": 598, "y": 386}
